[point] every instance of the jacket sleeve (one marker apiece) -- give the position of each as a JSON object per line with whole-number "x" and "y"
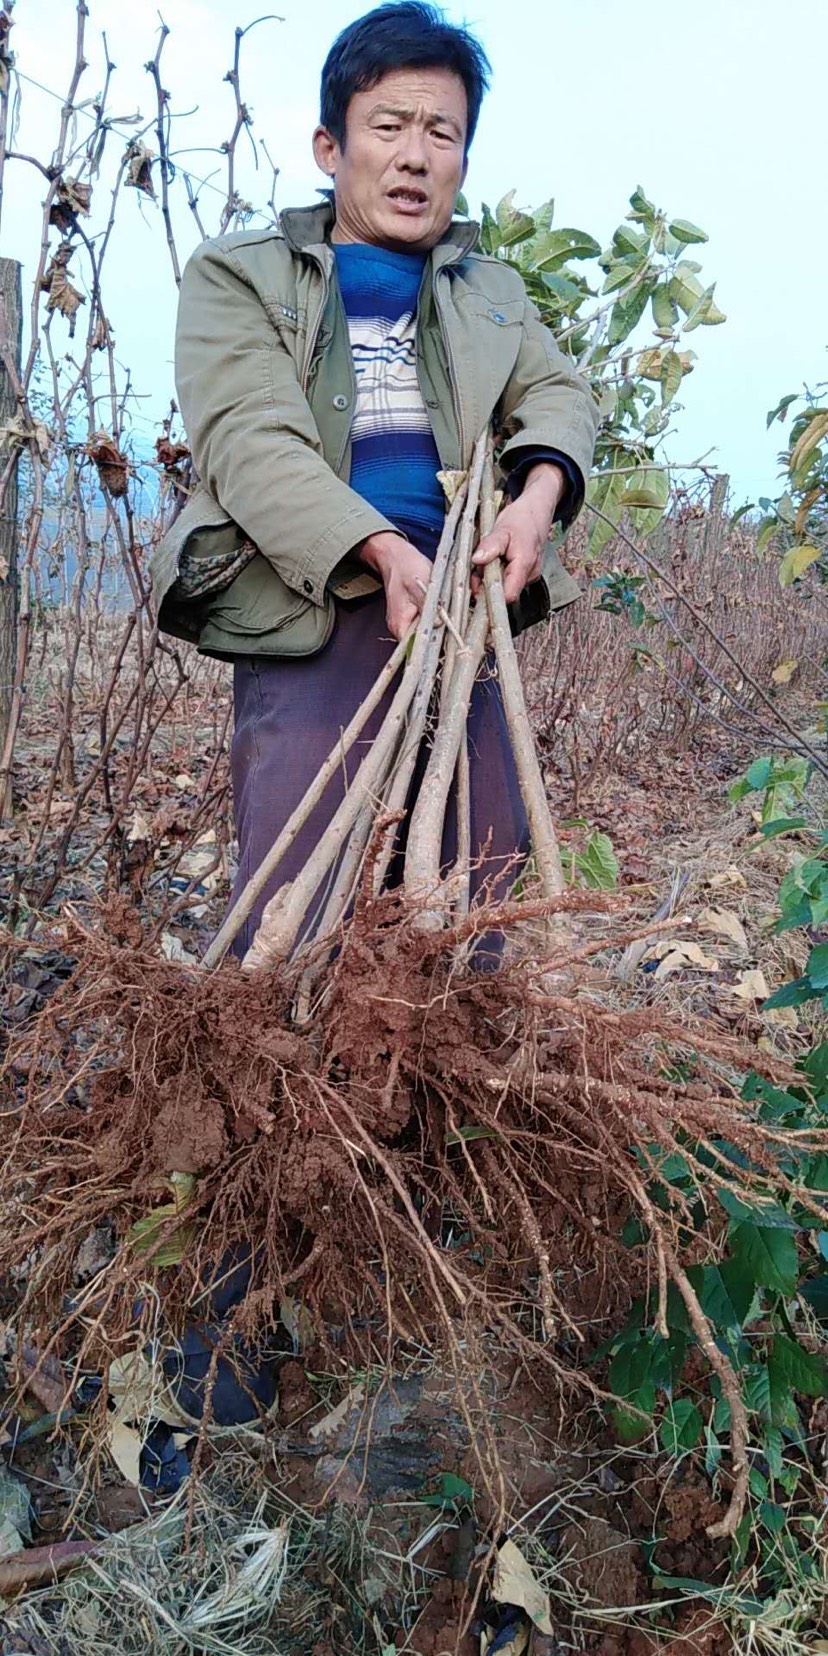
{"x": 546, "y": 404}
{"x": 252, "y": 433}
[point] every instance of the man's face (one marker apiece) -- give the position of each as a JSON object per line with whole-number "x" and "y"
{"x": 404, "y": 160}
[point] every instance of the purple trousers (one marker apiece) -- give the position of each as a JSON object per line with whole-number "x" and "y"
{"x": 288, "y": 716}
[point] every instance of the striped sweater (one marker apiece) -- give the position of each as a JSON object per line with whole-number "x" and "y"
{"x": 394, "y": 459}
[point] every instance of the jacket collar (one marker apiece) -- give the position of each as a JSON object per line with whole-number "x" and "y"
{"x": 308, "y": 230}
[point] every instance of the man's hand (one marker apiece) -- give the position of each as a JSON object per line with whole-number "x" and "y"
{"x": 404, "y": 572}
{"x": 522, "y": 531}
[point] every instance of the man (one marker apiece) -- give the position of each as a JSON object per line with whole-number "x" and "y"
{"x": 326, "y": 372}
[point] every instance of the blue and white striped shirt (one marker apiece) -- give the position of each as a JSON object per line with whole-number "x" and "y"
{"x": 394, "y": 458}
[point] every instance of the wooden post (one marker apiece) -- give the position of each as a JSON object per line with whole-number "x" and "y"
{"x": 11, "y": 318}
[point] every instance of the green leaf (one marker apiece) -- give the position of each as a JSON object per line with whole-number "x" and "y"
{"x": 598, "y": 864}
{"x": 627, "y": 313}
{"x": 795, "y": 563}
{"x": 562, "y": 286}
{"x": 557, "y": 247}
{"x": 681, "y": 1427}
{"x": 630, "y": 242}
{"x": 817, "y": 967}
{"x": 490, "y": 239}
{"x": 782, "y": 825}
{"x": 145, "y": 1232}
{"x": 519, "y": 229}
{"x": 651, "y": 491}
{"x": 643, "y": 211}
{"x": 620, "y": 273}
{"x": 604, "y": 491}
{"x": 773, "y": 1517}
{"x": 801, "y": 1371}
{"x": 756, "y": 1389}
{"x": 769, "y": 1215}
{"x": 685, "y": 288}
{"x": 725, "y": 1292}
{"x": 665, "y": 310}
{"x": 686, "y": 232}
{"x": 791, "y": 994}
{"x": 741, "y": 1605}
{"x": 630, "y": 1379}
{"x": 759, "y": 774}
{"x": 781, "y": 409}
{"x": 769, "y": 1254}
{"x": 467, "y": 1135}
{"x": 672, "y": 374}
{"x": 451, "y": 1491}
{"x": 773, "y": 1451}
{"x": 768, "y": 1393}
{"x": 815, "y": 1294}
{"x": 461, "y": 206}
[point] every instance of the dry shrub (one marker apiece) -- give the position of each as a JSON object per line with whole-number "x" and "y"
{"x": 603, "y": 691}
{"x": 436, "y": 1153}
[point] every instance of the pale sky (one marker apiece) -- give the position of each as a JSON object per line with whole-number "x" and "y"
{"x": 716, "y": 108}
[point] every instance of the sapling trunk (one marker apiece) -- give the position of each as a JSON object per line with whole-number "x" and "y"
{"x": 396, "y": 794}
{"x": 544, "y": 839}
{"x": 283, "y": 916}
{"x": 425, "y": 834}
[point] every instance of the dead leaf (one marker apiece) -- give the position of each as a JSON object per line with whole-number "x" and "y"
{"x": 141, "y": 1394}
{"x": 727, "y": 924}
{"x": 298, "y": 1323}
{"x": 63, "y": 296}
{"x": 515, "y": 1583}
{"x": 331, "y": 1423}
{"x": 139, "y": 829}
{"x": 751, "y": 986}
{"x": 44, "y": 1378}
{"x": 94, "y": 1253}
{"x": 676, "y": 955}
{"x": 113, "y": 466}
{"x": 71, "y": 198}
{"x": 195, "y": 863}
{"x": 172, "y": 948}
{"x": 15, "y": 1514}
{"x": 125, "y": 1445}
{"x": 139, "y": 161}
{"x": 184, "y": 781}
{"x": 731, "y": 876}
{"x": 784, "y": 672}
{"x": 451, "y": 482}
{"x": 783, "y": 1017}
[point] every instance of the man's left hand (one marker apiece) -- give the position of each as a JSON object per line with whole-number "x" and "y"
{"x": 522, "y": 531}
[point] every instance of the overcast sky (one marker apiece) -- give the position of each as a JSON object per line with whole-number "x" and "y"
{"x": 716, "y": 107}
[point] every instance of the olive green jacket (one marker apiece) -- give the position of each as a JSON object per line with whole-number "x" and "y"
{"x": 266, "y": 386}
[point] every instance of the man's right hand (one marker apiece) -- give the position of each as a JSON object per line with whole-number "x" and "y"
{"x": 404, "y": 573}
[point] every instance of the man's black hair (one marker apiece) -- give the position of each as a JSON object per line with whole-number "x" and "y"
{"x": 403, "y": 34}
